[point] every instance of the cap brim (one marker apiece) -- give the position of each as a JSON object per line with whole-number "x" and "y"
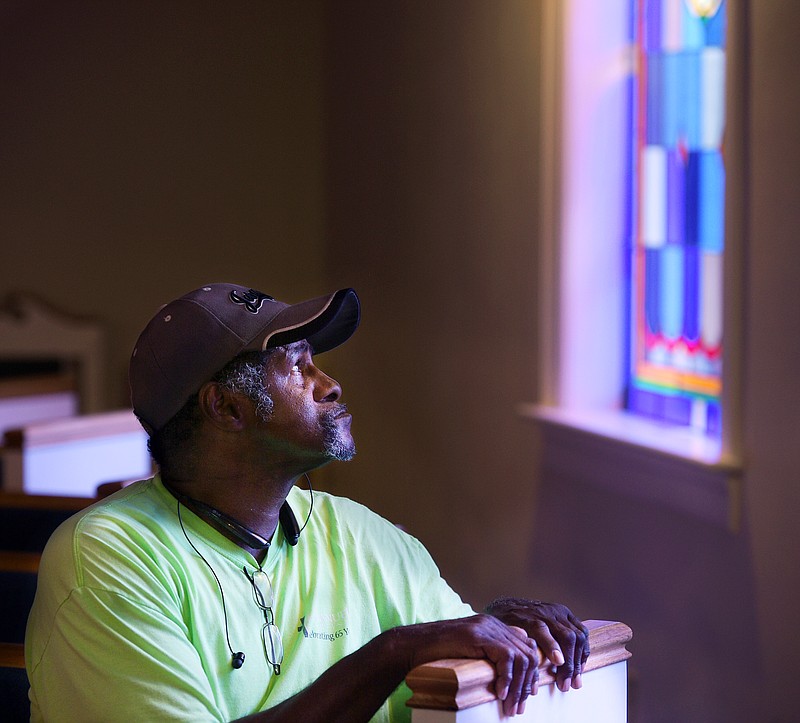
{"x": 325, "y": 322}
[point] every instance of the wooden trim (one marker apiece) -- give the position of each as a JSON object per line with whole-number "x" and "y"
{"x": 19, "y": 500}
{"x": 16, "y": 561}
{"x": 71, "y": 429}
{"x": 37, "y": 385}
{"x": 32, "y": 328}
{"x": 551, "y": 197}
{"x": 12, "y": 655}
{"x": 737, "y": 224}
{"x": 457, "y": 684}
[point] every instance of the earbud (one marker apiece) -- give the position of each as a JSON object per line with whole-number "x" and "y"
{"x": 291, "y": 530}
{"x": 237, "y": 661}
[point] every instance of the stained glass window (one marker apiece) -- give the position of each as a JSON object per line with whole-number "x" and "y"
{"x": 677, "y": 202}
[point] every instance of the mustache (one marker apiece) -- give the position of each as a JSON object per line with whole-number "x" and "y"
{"x": 329, "y": 416}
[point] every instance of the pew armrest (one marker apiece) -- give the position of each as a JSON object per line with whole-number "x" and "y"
{"x": 457, "y": 684}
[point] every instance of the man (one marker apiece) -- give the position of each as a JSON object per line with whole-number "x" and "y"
{"x": 219, "y": 590}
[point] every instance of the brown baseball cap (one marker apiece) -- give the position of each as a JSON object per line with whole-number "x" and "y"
{"x": 192, "y": 338}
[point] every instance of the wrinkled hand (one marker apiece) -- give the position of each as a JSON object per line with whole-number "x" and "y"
{"x": 561, "y": 636}
{"x": 508, "y": 648}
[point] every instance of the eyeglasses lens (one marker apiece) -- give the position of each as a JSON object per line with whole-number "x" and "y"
{"x": 273, "y": 646}
{"x": 262, "y": 590}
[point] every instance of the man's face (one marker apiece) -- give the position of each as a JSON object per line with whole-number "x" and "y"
{"x": 307, "y": 420}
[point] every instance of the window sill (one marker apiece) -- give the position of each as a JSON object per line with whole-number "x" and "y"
{"x": 641, "y": 458}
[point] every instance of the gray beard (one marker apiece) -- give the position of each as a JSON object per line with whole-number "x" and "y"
{"x": 336, "y": 447}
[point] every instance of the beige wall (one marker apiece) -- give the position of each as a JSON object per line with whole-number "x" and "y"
{"x": 432, "y": 206}
{"x": 147, "y": 147}
{"x": 772, "y": 399}
{"x": 432, "y": 137}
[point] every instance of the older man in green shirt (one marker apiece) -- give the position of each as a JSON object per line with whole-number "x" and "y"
{"x": 219, "y": 590}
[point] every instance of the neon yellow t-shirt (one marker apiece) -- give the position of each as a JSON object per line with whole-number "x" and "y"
{"x": 128, "y": 621}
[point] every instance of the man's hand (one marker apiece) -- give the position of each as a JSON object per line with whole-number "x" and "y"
{"x": 561, "y": 636}
{"x": 508, "y": 648}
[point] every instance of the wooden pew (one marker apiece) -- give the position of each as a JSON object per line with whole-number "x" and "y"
{"x": 18, "y": 585}
{"x": 12, "y": 655}
{"x": 32, "y": 329}
{"x": 13, "y": 684}
{"x": 460, "y": 691}
{"x": 24, "y": 562}
{"x": 74, "y": 456}
{"x": 27, "y": 521}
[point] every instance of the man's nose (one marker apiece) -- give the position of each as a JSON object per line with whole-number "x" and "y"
{"x": 326, "y": 389}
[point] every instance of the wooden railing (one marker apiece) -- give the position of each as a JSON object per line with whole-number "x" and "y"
{"x": 12, "y": 655}
{"x": 27, "y": 521}
{"x": 461, "y": 691}
{"x": 20, "y": 501}
{"x": 14, "y": 561}
{"x": 34, "y": 386}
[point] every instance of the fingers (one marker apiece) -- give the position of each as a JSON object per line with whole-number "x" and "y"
{"x": 562, "y": 637}
{"x": 581, "y": 651}
{"x": 584, "y": 632}
{"x": 530, "y": 684}
{"x": 517, "y": 671}
{"x": 526, "y": 678}
{"x": 564, "y": 675}
{"x": 547, "y": 643}
{"x": 575, "y": 646}
{"x": 581, "y": 654}
{"x": 566, "y": 645}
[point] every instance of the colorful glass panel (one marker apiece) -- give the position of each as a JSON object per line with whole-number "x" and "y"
{"x": 678, "y": 198}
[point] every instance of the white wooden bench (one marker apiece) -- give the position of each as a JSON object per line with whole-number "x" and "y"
{"x": 37, "y": 398}
{"x": 74, "y": 456}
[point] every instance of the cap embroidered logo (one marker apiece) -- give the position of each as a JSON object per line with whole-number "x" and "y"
{"x": 251, "y": 299}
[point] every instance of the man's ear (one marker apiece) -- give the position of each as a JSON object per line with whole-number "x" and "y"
{"x": 222, "y": 407}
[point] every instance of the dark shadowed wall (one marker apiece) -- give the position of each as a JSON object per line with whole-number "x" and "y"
{"x": 149, "y": 147}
